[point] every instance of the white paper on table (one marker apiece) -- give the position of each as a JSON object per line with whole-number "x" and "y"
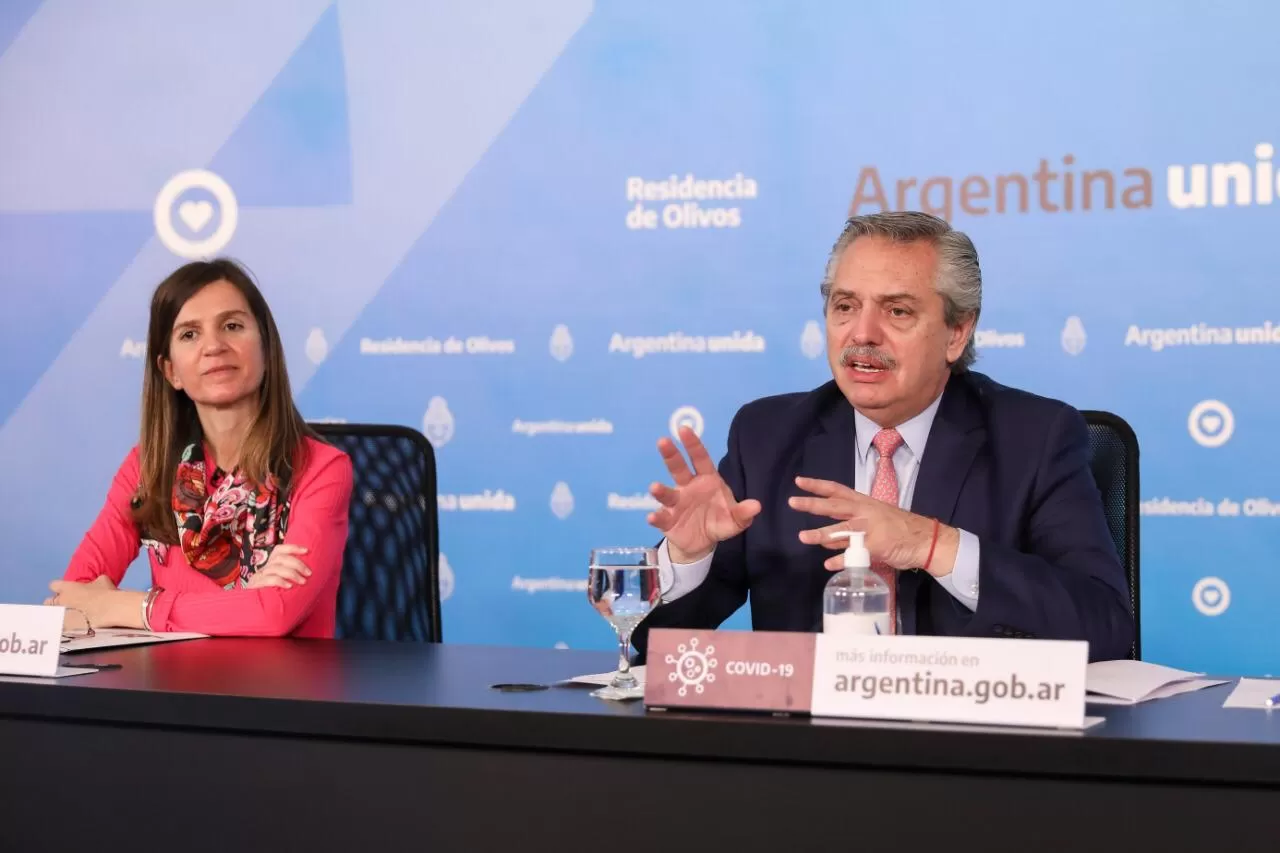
{"x": 1252, "y": 693}
{"x": 604, "y": 678}
{"x": 110, "y": 638}
{"x": 63, "y": 672}
{"x": 1159, "y": 693}
{"x": 1128, "y": 682}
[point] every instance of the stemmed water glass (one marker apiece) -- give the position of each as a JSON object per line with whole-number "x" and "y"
{"x": 622, "y": 584}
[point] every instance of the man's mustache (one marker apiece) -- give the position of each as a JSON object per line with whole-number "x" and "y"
{"x": 867, "y": 355}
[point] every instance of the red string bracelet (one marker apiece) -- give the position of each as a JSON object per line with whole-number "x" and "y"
{"x": 932, "y": 544}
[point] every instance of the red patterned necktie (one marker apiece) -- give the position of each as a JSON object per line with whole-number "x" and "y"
{"x": 885, "y": 488}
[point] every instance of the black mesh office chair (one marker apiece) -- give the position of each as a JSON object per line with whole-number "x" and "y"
{"x": 390, "y": 588}
{"x": 1113, "y": 457}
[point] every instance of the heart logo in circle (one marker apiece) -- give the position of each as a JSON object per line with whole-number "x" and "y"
{"x": 195, "y": 214}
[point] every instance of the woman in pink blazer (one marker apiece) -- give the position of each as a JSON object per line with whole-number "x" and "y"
{"x": 243, "y": 511}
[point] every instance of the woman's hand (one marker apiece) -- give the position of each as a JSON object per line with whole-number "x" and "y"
{"x": 283, "y": 569}
{"x": 102, "y": 604}
{"x": 74, "y": 593}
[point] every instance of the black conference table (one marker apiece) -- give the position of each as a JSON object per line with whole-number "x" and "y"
{"x": 274, "y": 745}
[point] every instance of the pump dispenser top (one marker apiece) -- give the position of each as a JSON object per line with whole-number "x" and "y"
{"x": 856, "y": 600}
{"x": 856, "y": 556}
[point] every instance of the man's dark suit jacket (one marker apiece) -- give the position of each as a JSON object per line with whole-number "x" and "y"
{"x": 1010, "y": 467}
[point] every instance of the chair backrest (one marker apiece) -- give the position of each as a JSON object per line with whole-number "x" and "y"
{"x": 1113, "y": 458}
{"x": 390, "y": 588}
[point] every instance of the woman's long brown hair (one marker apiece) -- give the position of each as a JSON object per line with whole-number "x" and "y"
{"x": 274, "y": 444}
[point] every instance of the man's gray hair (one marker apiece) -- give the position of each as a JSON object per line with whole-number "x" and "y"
{"x": 959, "y": 278}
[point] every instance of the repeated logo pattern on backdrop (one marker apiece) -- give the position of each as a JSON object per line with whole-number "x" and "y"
{"x": 548, "y": 234}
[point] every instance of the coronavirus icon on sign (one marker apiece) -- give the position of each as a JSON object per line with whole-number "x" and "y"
{"x": 693, "y": 667}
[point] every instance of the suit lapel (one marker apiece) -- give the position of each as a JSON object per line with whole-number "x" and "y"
{"x": 828, "y": 453}
{"x": 954, "y": 440}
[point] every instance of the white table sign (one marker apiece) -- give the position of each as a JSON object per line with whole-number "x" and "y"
{"x": 1037, "y": 683}
{"x": 29, "y": 637}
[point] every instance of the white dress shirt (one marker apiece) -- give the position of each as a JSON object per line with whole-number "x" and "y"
{"x": 679, "y": 579}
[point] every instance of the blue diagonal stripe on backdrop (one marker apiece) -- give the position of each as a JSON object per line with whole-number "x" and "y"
{"x": 14, "y": 15}
{"x": 104, "y": 102}
{"x": 293, "y": 148}
{"x": 57, "y": 266}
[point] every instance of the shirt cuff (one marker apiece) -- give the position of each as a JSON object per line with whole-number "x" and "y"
{"x": 678, "y": 579}
{"x": 962, "y": 583}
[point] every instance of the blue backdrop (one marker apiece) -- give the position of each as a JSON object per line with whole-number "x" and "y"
{"x": 497, "y": 222}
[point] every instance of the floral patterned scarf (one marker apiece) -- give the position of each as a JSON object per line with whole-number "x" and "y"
{"x": 228, "y": 533}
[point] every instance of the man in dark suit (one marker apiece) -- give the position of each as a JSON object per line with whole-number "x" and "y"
{"x": 977, "y": 500}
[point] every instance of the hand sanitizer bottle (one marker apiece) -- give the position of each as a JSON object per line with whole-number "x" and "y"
{"x": 856, "y": 600}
